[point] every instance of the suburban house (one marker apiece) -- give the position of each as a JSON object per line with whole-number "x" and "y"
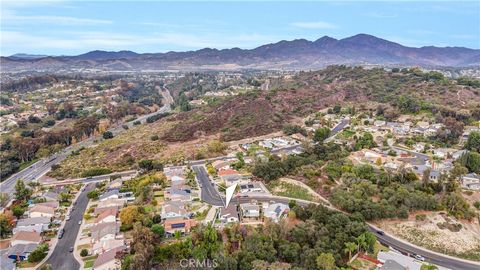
{"x": 471, "y": 181}
{"x": 221, "y": 165}
{"x": 229, "y": 214}
{"x": 177, "y": 181}
{"x": 99, "y": 210}
{"x": 111, "y": 194}
{"x": 109, "y": 215}
{"x": 104, "y": 246}
{"x": 176, "y": 194}
{"x": 178, "y": 224}
{"x": 250, "y": 210}
{"x": 36, "y": 224}
{"x": 250, "y": 187}
{"x": 53, "y": 204}
{"x": 116, "y": 184}
{"x": 41, "y": 211}
{"x": 24, "y": 237}
{"x": 104, "y": 231}
{"x": 173, "y": 209}
{"x": 111, "y": 202}
{"x": 50, "y": 195}
{"x": 108, "y": 260}
{"x": 21, "y": 252}
{"x": 275, "y": 211}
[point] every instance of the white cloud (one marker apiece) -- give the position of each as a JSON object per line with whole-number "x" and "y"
{"x": 13, "y": 41}
{"x": 380, "y": 15}
{"x": 314, "y": 25}
{"x": 9, "y": 17}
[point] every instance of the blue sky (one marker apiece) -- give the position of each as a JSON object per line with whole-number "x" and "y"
{"x": 74, "y": 27}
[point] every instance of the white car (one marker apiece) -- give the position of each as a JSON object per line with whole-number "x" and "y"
{"x": 420, "y": 258}
{"x": 67, "y": 218}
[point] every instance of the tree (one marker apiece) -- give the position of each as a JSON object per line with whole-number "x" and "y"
{"x": 18, "y": 210}
{"x": 143, "y": 248}
{"x": 326, "y": 261}
{"x": 158, "y": 230}
{"x": 38, "y": 254}
{"x": 22, "y": 193}
{"x": 64, "y": 197}
{"x": 473, "y": 142}
{"x": 4, "y": 198}
{"x": 107, "y": 135}
{"x": 93, "y": 195}
{"x": 130, "y": 214}
{"x": 471, "y": 160}
{"x": 428, "y": 267}
{"x": 349, "y": 248}
{"x": 321, "y": 134}
{"x": 6, "y": 224}
{"x": 366, "y": 141}
{"x": 84, "y": 252}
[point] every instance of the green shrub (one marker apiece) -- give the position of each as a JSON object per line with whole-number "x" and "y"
{"x": 96, "y": 171}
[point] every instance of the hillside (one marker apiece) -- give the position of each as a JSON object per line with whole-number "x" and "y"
{"x": 361, "y": 49}
{"x": 256, "y": 113}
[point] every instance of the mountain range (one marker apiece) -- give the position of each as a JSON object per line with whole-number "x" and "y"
{"x": 361, "y": 49}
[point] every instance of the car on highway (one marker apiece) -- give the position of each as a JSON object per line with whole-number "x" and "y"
{"x": 419, "y": 257}
{"x": 380, "y": 232}
{"x": 70, "y": 249}
{"x": 80, "y": 222}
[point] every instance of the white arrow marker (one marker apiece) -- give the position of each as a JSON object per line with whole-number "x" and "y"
{"x": 229, "y": 192}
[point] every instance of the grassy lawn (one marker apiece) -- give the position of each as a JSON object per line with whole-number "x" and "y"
{"x": 88, "y": 264}
{"x": 26, "y": 264}
{"x": 26, "y": 164}
{"x": 289, "y": 190}
{"x": 363, "y": 264}
{"x": 378, "y": 247}
{"x": 86, "y": 246}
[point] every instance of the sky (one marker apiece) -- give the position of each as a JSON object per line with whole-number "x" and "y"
{"x": 59, "y": 27}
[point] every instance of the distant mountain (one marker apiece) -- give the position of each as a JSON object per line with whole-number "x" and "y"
{"x": 361, "y": 49}
{"x": 27, "y": 56}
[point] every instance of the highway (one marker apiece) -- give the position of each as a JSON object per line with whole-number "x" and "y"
{"x": 61, "y": 257}
{"x": 42, "y": 166}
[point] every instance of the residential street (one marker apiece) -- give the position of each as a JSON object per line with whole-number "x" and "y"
{"x": 61, "y": 257}
{"x": 208, "y": 194}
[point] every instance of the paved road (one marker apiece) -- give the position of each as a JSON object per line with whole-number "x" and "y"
{"x": 41, "y": 167}
{"x": 61, "y": 257}
{"x": 208, "y": 193}
{"x": 402, "y": 246}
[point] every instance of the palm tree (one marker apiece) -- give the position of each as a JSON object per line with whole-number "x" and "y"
{"x": 349, "y": 248}
{"x": 361, "y": 242}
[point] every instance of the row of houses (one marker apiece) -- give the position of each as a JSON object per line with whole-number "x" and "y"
{"x": 419, "y": 163}
{"x": 248, "y": 212}
{"x": 29, "y": 231}
{"x": 105, "y": 239}
{"x": 175, "y": 213}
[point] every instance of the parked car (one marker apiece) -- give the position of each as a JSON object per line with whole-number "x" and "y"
{"x": 80, "y": 222}
{"x": 67, "y": 218}
{"x": 71, "y": 249}
{"x": 60, "y": 233}
{"x": 380, "y": 232}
